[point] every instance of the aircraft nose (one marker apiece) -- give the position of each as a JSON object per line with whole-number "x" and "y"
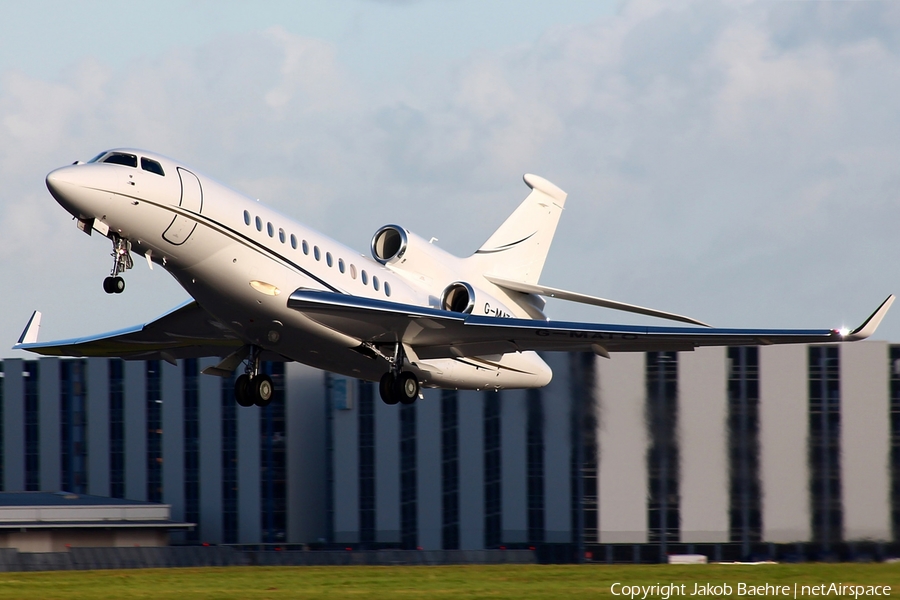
{"x": 58, "y": 180}
{"x": 68, "y": 185}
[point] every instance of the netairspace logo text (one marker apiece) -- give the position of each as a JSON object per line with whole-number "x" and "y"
{"x": 669, "y": 590}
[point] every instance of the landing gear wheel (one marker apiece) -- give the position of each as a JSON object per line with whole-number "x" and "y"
{"x": 242, "y": 390}
{"x": 406, "y": 388}
{"x": 386, "y": 389}
{"x": 113, "y": 285}
{"x": 263, "y": 390}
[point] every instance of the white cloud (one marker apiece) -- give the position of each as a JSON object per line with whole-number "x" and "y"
{"x": 734, "y": 161}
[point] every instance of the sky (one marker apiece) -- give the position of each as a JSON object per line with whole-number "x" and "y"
{"x": 735, "y": 161}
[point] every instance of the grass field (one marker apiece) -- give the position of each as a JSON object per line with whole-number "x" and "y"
{"x": 501, "y": 581}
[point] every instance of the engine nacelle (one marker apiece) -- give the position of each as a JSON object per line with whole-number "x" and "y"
{"x": 405, "y": 251}
{"x": 459, "y": 296}
{"x": 432, "y": 267}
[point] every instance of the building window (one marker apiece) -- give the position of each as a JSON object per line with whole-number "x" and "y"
{"x": 663, "y": 514}
{"x": 32, "y": 428}
{"x": 117, "y": 427}
{"x": 366, "y": 427}
{"x": 534, "y": 455}
{"x": 492, "y": 474}
{"x": 408, "y": 478}
{"x": 229, "y": 462}
{"x": 72, "y": 425}
{"x": 274, "y": 460}
{"x": 583, "y": 465}
{"x": 329, "y": 456}
{"x": 825, "y": 445}
{"x": 895, "y": 439}
{"x": 154, "y": 431}
{"x": 449, "y": 470}
{"x": 743, "y": 435}
{"x": 2, "y": 438}
{"x": 191, "y": 415}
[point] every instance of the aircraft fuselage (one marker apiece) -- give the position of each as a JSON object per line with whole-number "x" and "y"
{"x": 241, "y": 260}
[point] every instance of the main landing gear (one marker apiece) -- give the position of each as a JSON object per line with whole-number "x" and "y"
{"x": 396, "y": 385}
{"x": 121, "y": 262}
{"x": 252, "y": 387}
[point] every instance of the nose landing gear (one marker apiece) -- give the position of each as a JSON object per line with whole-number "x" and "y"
{"x": 253, "y": 388}
{"x": 121, "y": 262}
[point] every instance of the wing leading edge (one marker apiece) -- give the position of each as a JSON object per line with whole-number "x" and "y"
{"x": 187, "y": 331}
{"x": 437, "y": 333}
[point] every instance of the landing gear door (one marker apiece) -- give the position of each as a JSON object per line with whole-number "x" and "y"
{"x": 181, "y": 227}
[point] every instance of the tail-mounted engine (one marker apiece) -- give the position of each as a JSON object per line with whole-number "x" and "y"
{"x": 458, "y": 297}
{"x": 421, "y": 261}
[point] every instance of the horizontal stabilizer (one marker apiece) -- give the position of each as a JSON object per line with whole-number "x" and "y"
{"x": 542, "y": 290}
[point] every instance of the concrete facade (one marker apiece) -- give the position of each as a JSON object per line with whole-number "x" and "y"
{"x": 322, "y": 491}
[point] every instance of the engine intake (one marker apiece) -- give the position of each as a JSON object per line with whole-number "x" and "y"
{"x": 458, "y": 297}
{"x": 389, "y": 244}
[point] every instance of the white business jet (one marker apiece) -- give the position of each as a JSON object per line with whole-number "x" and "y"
{"x": 265, "y": 287}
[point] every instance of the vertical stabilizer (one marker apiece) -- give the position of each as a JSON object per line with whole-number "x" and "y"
{"x": 518, "y": 249}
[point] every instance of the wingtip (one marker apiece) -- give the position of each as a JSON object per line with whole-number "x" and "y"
{"x": 30, "y": 333}
{"x": 871, "y": 324}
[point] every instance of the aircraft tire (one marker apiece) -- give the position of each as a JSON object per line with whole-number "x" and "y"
{"x": 263, "y": 390}
{"x": 242, "y": 390}
{"x": 118, "y": 285}
{"x": 406, "y": 388}
{"x": 386, "y": 389}
{"x": 108, "y": 286}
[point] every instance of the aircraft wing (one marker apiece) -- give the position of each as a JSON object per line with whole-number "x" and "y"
{"x": 187, "y": 331}
{"x": 434, "y": 333}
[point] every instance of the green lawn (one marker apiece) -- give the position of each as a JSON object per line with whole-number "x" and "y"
{"x": 501, "y": 581}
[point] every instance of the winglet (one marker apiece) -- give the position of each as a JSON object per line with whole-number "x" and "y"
{"x": 30, "y": 333}
{"x": 871, "y": 324}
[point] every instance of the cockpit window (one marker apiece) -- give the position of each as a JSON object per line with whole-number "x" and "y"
{"x": 152, "y": 166}
{"x": 120, "y": 158}
{"x": 98, "y": 157}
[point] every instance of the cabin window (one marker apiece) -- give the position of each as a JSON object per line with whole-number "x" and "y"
{"x": 341, "y": 265}
{"x": 375, "y": 283}
{"x": 352, "y": 271}
{"x": 293, "y": 241}
{"x": 316, "y": 253}
{"x": 365, "y": 277}
{"x": 246, "y": 217}
{"x": 258, "y": 224}
{"x": 281, "y": 237}
{"x": 328, "y": 259}
{"x": 152, "y": 166}
{"x": 270, "y": 229}
{"x": 387, "y": 289}
{"x": 121, "y": 158}
{"x": 305, "y": 247}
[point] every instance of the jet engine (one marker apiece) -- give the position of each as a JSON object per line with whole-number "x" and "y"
{"x": 430, "y": 266}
